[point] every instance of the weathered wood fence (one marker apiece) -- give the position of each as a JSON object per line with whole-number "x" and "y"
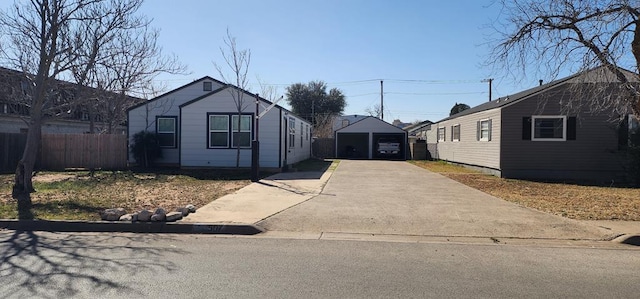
{"x": 324, "y": 147}
{"x": 62, "y": 151}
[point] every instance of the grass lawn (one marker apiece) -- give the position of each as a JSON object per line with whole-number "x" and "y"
{"x": 79, "y": 196}
{"x": 568, "y": 200}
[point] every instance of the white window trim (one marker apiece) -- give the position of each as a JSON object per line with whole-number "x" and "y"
{"x": 292, "y": 132}
{"x": 444, "y": 134}
{"x": 226, "y": 131}
{"x": 459, "y": 133}
{"x": 488, "y": 129}
{"x": 533, "y": 127}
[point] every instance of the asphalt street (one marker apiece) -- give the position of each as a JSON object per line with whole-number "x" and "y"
{"x": 107, "y": 265}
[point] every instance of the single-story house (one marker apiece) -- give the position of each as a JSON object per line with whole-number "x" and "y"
{"x": 360, "y": 138}
{"x": 197, "y": 127}
{"x": 530, "y": 135}
{"x": 418, "y": 131}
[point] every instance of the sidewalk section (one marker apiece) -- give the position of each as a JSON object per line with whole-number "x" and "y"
{"x": 262, "y": 199}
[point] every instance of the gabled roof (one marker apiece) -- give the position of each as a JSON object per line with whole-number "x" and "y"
{"x": 225, "y": 86}
{"x": 520, "y": 96}
{"x": 417, "y": 126}
{"x": 389, "y": 128}
{"x": 177, "y": 89}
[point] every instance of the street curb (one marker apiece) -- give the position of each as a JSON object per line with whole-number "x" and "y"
{"x": 628, "y": 239}
{"x": 128, "y": 227}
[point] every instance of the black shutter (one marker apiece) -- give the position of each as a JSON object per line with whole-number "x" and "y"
{"x": 623, "y": 133}
{"x": 526, "y": 128}
{"x": 571, "y": 128}
{"x": 489, "y": 134}
{"x": 478, "y": 131}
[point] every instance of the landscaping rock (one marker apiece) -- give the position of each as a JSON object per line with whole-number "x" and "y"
{"x": 126, "y": 217}
{"x": 144, "y": 215}
{"x": 183, "y": 211}
{"x": 191, "y": 208}
{"x": 112, "y": 214}
{"x": 159, "y": 215}
{"x": 173, "y": 216}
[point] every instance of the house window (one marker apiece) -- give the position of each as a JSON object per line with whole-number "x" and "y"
{"x": 207, "y": 86}
{"x": 166, "y": 130}
{"x": 301, "y": 134}
{"x": 549, "y": 128}
{"x": 307, "y": 133}
{"x": 218, "y": 131}
{"x": 441, "y": 134}
{"x": 292, "y": 132}
{"x": 224, "y": 133}
{"x": 455, "y": 133}
{"x": 241, "y": 138}
{"x": 484, "y": 130}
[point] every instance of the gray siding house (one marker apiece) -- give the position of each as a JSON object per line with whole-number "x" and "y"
{"x": 529, "y": 135}
{"x": 197, "y": 128}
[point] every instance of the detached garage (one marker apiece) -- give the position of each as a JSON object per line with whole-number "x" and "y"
{"x": 361, "y": 140}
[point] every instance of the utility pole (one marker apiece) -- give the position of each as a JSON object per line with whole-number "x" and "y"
{"x": 488, "y": 80}
{"x": 381, "y": 100}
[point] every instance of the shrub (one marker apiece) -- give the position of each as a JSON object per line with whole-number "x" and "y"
{"x": 146, "y": 148}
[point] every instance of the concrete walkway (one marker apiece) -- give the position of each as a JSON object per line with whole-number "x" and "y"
{"x": 260, "y": 200}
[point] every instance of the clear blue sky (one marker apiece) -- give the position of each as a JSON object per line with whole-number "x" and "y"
{"x": 429, "y": 53}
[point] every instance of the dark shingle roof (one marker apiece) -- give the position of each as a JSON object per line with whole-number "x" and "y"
{"x": 522, "y": 95}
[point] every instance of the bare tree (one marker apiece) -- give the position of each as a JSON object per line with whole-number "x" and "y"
{"x": 548, "y": 37}
{"x": 374, "y": 110}
{"x": 53, "y": 40}
{"x": 238, "y": 61}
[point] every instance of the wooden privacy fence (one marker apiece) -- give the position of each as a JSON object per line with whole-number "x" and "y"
{"x": 11, "y": 148}
{"x": 60, "y": 151}
{"x": 324, "y": 147}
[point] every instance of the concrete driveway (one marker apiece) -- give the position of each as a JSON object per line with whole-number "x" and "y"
{"x": 393, "y": 197}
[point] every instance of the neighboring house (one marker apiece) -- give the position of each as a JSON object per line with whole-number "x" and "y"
{"x": 419, "y": 130}
{"x": 359, "y": 139}
{"x": 74, "y": 115}
{"x": 197, "y": 126}
{"x": 527, "y": 135}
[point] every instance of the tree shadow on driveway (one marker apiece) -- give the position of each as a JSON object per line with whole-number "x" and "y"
{"x": 53, "y": 265}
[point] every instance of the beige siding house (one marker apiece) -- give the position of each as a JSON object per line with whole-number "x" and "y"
{"x": 530, "y": 135}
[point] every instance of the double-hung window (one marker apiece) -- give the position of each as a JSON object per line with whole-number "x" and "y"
{"x": 230, "y": 130}
{"x": 242, "y": 137}
{"x": 218, "y": 131}
{"x": 455, "y": 133}
{"x": 166, "y": 131}
{"x": 484, "y": 130}
{"x": 441, "y": 134}
{"x": 549, "y": 128}
{"x": 292, "y": 132}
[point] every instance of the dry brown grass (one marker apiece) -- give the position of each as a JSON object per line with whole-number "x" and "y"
{"x": 79, "y": 196}
{"x": 568, "y": 200}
